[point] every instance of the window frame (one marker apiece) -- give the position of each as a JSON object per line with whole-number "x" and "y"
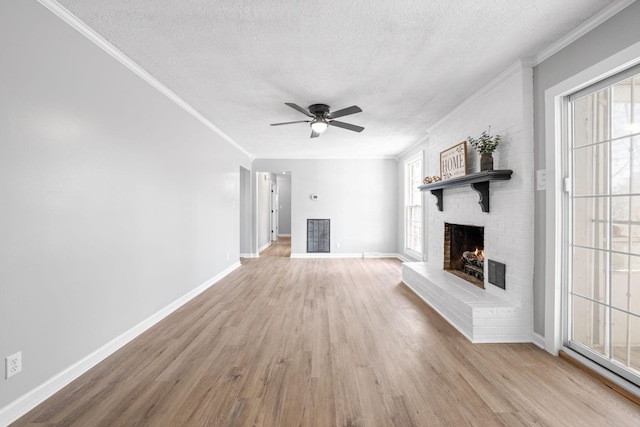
{"x": 607, "y": 357}
{"x": 413, "y": 201}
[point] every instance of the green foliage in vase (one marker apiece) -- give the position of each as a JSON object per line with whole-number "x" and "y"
{"x": 486, "y": 143}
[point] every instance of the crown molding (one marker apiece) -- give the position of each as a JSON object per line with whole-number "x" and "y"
{"x": 488, "y": 87}
{"x": 572, "y": 36}
{"x": 410, "y": 149}
{"x": 89, "y": 33}
{"x": 582, "y": 29}
{"x": 267, "y": 157}
{"x": 492, "y": 84}
{"x": 97, "y": 39}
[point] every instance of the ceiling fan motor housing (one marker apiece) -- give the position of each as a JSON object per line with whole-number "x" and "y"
{"x": 319, "y": 109}
{"x": 322, "y": 118}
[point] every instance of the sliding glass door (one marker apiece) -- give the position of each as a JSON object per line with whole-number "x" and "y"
{"x": 603, "y": 268}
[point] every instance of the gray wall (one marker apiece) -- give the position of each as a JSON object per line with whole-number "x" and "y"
{"x": 284, "y": 211}
{"x": 115, "y": 201}
{"x": 245, "y": 211}
{"x": 359, "y": 196}
{"x": 617, "y": 33}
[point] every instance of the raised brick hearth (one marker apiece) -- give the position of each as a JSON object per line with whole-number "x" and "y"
{"x": 478, "y": 315}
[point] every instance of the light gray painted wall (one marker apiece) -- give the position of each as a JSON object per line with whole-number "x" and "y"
{"x": 614, "y": 35}
{"x": 284, "y": 211}
{"x": 359, "y": 196}
{"x": 115, "y": 201}
{"x": 245, "y": 211}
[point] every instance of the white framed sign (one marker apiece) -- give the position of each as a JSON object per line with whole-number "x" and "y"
{"x": 453, "y": 161}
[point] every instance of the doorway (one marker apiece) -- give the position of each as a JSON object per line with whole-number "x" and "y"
{"x": 602, "y": 274}
{"x": 274, "y": 211}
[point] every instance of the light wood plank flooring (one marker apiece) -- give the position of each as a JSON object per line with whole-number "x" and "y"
{"x": 325, "y": 342}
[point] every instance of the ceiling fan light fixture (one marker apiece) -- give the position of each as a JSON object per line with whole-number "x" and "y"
{"x": 322, "y": 118}
{"x": 319, "y": 125}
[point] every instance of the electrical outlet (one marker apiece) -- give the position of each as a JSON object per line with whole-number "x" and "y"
{"x": 13, "y": 364}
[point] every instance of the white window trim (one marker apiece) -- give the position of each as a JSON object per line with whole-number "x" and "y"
{"x": 407, "y": 251}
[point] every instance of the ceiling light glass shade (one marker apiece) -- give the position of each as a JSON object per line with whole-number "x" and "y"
{"x": 319, "y": 125}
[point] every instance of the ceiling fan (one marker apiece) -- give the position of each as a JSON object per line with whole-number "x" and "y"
{"x": 322, "y": 117}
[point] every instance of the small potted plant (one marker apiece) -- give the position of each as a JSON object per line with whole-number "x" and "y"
{"x": 485, "y": 145}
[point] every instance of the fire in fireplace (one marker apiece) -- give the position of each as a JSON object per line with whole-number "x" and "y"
{"x": 473, "y": 263}
{"x": 464, "y": 252}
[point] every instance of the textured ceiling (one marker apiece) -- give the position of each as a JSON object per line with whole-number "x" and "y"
{"x": 405, "y": 63}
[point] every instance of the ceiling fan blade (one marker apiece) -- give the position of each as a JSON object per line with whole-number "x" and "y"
{"x": 345, "y": 112}
{"x": 299, "y": 108}
{"x": 314, "y": 134}
{"x": 347, "y": 126}
{"x": 288, "y": 123}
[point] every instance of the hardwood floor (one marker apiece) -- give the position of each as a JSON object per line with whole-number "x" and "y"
{"x": 281, "y": 247}
{"x": 325, "y": 342}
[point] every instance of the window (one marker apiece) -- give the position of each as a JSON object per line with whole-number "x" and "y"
{"x": 413, "y": 206}
{"x": 604, "y": 204}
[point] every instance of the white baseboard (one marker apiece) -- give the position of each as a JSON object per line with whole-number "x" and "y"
{"x": 410, "y": 257}
{"x": 262, "y": 248}
{"x": 249, "y": 256}
{"x": 284, "y": 235}
{"x": 380, "y": 255}
{"x": 33, "y": 398}
{"x": 347, "y": 255}
{"x": 538, "y": 340}
{"x": 403, "y": 258}
{"x": 324, "y": 255}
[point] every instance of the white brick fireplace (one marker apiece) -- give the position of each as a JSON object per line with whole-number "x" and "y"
{"x": 491, "y": 314}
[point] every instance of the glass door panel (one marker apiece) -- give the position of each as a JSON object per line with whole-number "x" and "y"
{"x": 603, "y": 289}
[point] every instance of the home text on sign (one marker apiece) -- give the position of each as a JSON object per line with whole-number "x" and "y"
{"x": 453, "y": 161}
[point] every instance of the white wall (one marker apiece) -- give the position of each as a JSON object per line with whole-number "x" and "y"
{"x": 115, "y": 201}
{"x": 359, "y": 196}
{"x": 506, "y": 105}
{"x": 284, "y": 210}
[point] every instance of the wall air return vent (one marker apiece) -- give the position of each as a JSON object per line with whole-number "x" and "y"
{"x": 318, "y": 235}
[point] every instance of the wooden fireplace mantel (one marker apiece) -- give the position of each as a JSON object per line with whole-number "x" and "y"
{"x": 479, "y": 181}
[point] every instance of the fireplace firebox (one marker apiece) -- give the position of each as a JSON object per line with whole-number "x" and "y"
{"x": 464, "y": 252}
